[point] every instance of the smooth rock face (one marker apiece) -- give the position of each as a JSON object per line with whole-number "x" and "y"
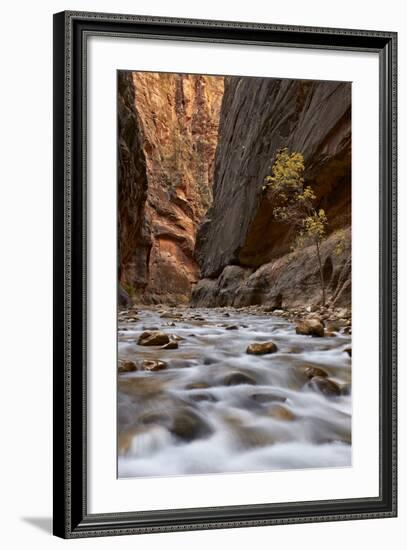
{"x": 167, "y": 187}
{"x": 289, "y": 281}
{"x": 132, "y": 188}
{"x": 258, "y": 117}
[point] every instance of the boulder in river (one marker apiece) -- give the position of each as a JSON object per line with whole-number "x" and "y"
{"x": 280, "y": 412}
{"x": 155, "y": 338}
{"x": 235, "y": 378}
{"x": 126, "y": 366}
{"x": 176, "y": 338}
{"x": 348, "y": 351}
{"x": 268, "y": 397}
{"x": 325, "y": 385}
{"x": 187, "y": 425}
{"x": 152, "y": 365}
{"x": 172, "y": 344}
{"x": 311, "y": 372}
{"x": 261, "y": 348}
{"x": 310, "y": 327}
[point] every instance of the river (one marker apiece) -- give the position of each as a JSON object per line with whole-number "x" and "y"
{"x": 215, "y": 408}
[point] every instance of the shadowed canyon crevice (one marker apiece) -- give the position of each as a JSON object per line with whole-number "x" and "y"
{"x": 193, "y": 153}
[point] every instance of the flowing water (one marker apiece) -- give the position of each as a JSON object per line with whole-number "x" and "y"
{"x": 216, "y": 408}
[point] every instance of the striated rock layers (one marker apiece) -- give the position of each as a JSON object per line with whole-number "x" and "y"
{"x": 168, "y": 131}
{"x": 243, "y": 254}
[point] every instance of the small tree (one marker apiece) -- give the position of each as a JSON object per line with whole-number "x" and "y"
{"x": 294, "y": 203}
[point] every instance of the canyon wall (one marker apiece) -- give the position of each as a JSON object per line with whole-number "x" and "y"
{"x": 168, "y": 131}
{"x": 245, "y": 257}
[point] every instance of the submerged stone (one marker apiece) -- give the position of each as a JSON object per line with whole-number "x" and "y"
{"x": 311, "y": 372}
{"x": 325, "y": 385}
{"x": 236, "y": 378}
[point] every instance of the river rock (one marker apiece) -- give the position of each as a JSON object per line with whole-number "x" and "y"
{"x": 261, "y": 348}
{"x": 348, "y": 351}
{"x": 187, "y": 425}
{"x": 267, "y": 398}
{"x": 324, "y": 385}
{"x": 171, "y": 315}
{"x": 310, "y": 327}
{"x": 155, "y": 338}
{"x": 235, "y": 378}
{"x": 176, "y": 338}
{"x": 281, "y": 413}
{"x": 172, "y": 344}
{"x": 232, "y": 327}
{"x": 202, "y": 397}
{"x": 197, "y": 386}
{"x": 126, "y": 366}
{"x": 334, "y": 326}
{"x": 153, "y": 365}
{"x": 343, "y": 313}
{"x": 209, "y": 360}
{"x": 311, "y": 372}
{"x": 155, "y": 417}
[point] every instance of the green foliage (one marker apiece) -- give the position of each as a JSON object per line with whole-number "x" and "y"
{"x": 315, "y": 225}
{"x": 294, "y": 203}
{"x": 129, "y": 289}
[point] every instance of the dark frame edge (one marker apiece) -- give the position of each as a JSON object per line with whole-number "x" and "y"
{"x": 388, "y": 274}
{"x": 70, "y": 518}
{"x": 59, "y": 508}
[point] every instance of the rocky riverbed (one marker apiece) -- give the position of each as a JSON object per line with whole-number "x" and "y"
{"x": 232, "y": 390}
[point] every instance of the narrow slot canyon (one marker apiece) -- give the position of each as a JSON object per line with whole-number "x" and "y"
{"x": 194, "y": 226}
{"x": 234, "y": 335}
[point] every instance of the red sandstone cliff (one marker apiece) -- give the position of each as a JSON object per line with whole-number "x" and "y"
{"x": 177, "y": 119}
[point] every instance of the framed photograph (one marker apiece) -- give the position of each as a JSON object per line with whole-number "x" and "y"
{"x": 224, "y": 274}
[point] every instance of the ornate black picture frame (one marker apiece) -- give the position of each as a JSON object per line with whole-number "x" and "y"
{"x": 71, "y": 517}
